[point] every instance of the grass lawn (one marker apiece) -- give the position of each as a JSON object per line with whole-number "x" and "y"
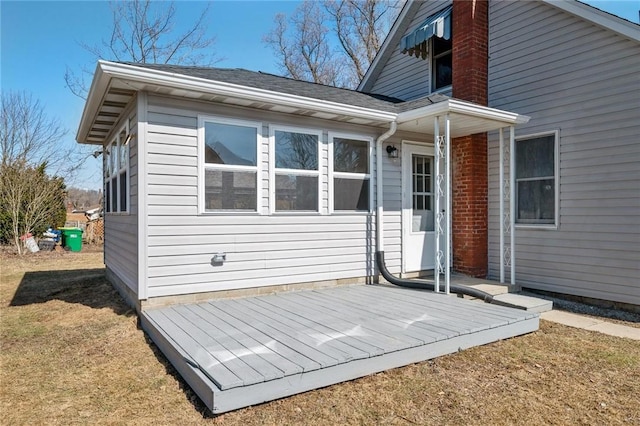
{"x": 72, "y": 352}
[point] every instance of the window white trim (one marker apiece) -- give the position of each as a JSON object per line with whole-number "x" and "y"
{"x": 296, "y": 172}
{"x": 202, "y": 166}
{"x": 556, "y": 181}
{"x": 115, "y": 174}
{"x": 347, "y": 175}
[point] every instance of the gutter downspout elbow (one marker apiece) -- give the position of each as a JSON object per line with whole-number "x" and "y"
{"x": 393, "y": 126}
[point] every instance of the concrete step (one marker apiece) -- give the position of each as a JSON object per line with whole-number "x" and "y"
{"x": 492, "y": 289}
{"x": 529, "y": 303}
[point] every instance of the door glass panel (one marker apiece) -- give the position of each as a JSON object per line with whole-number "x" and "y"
{"x": 421, "y": 193}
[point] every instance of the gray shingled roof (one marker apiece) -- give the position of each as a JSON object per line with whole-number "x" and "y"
{"x": 265, "y": 81}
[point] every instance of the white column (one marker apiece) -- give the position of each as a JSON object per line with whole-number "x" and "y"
{"x": 512, "y": 201}
{"x": 437, "y": 143}
{"x": 501, "y": 216}
{"x": 447, "y": 253}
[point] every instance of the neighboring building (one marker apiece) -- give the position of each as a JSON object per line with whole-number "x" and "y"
{"x": 224, "y": 180}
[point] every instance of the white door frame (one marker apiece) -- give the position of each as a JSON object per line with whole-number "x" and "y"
{"x": 409, "y": 148}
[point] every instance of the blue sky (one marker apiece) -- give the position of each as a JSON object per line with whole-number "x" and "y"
{"x": 40, "y": 39}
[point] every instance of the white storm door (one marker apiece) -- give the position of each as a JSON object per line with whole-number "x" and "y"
{"x": 417, "y": 208}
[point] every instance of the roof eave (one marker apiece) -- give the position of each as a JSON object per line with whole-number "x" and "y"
{"x": 108, "y": 70}
{"x": 99, "y": 85}
{"x": 603, "y": 19}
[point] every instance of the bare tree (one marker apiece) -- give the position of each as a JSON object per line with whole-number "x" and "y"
{"x": 143, "y": 31}
{"x": 32, "y": 150}
{"x": 27, "y": 134}
{"x": 29, "y": 199}
{"x": 360, "y": 28}
{"x": 304, "y": 48}
{"x": 304, "y": 52}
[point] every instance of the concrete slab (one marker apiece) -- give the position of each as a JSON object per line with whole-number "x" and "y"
{"x": 492, "y": 289}
{"x": 589, "y": 323}
{"x": 532, "y": 304}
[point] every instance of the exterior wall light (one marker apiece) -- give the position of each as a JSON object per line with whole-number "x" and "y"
{"x": 392, "y": 151}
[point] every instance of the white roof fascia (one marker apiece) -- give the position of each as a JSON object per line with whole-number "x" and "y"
{"x": 107, "y": 70}
{"x": 385, "y": 44}
{"x": 181, "y": 81}
{"x": 97, "y": 91}
{"x": 603, "y": 19}
{"x": 461, "y": 107}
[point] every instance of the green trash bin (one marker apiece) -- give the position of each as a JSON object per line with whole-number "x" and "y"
{"x": 72, "y": 238}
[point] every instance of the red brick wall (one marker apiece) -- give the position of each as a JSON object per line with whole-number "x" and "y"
{"x": 469, "y": 154}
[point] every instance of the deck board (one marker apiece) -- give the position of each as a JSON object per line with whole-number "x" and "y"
{"x": 281, "y": 333}
{"x": 310, "y": 332}
{"x": 250, "y": 338}
{"x": 390, "y": 326}
{"x": 442, "y": 311}
{"x": 340, "y": 327}
{"x": 239, "y": 352}
{"x": 230, "y": 347}
{"x": 430, "y": 316}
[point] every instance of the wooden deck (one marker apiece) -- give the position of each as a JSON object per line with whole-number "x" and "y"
{"x": 240, "y": 352}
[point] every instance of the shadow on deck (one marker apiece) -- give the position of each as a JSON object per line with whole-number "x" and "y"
{"x": 240, "y": 352}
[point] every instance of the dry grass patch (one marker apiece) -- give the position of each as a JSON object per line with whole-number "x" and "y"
{"x": 72, "y": 352}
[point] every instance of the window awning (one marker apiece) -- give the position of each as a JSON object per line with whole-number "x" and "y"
{"x": 438, "y": 25}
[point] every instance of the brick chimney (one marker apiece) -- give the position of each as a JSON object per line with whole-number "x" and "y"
{"x": 470, "y": 35}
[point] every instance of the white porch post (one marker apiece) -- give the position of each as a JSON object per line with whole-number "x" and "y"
{"x": 437, "y": 144}
{"x": 501, "y": 185}
{"x": 507, "y": 216}
{"x": 447, "y": 253}
{"x": 512, "y": 201}
{"x": 442, "y": 205}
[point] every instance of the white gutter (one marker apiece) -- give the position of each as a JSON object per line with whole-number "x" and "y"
{"x": 379, "y": 186}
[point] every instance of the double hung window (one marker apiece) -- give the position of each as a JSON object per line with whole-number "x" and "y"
{"x": 350, "y": 173}
{"x": 229, "y": 164}
{"x": 536, "y": 179}
{"x": 116, "y": 166}
{"x": 295, "y": 180}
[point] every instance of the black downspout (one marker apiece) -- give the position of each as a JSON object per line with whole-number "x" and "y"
{"x": 427, "y": 285}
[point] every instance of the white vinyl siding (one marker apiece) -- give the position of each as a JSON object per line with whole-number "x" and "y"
{"x": 262, "y": 250}
{"x": 574, "y": 76}
{"x": 121, "y": 230}
{"x": 392, "y": 202}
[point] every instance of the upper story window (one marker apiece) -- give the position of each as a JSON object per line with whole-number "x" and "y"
{"x": 537, "y": 179}
{"x": 295, "y": 165}
{"x": 441, "y": 60}
{"x": 431, "y": 40}
{"x": 350, "y": 173}
{"x": 116, "y": 167}
{"x": 228, "y": 152}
